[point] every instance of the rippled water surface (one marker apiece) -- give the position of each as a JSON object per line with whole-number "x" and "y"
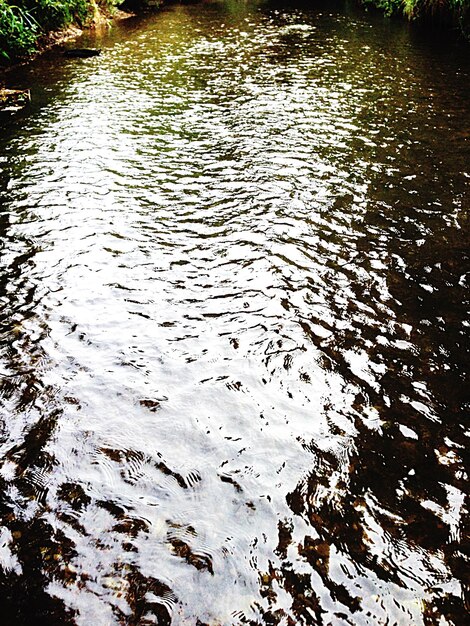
{"x": 234, "y": 283}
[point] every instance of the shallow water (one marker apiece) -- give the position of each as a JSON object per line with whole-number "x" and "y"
{"x": 234, "y": 283}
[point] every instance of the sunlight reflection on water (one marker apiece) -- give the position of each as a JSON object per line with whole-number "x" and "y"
{"x": 234, "y": 287}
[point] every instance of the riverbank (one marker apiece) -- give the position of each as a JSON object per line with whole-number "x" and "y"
{"x": 28, "y": 27}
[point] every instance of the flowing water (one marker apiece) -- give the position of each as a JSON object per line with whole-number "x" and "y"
{"x": 234, "y": 286}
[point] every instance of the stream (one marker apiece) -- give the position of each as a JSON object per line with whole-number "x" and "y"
{"x": 234, "y": 324}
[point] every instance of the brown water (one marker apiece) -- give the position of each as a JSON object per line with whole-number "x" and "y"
{"x": 234, "y": 286}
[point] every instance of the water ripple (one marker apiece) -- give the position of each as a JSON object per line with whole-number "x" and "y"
{"x": 234, "y": 285}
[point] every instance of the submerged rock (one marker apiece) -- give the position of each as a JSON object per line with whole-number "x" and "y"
{"x": 82, "y": 53}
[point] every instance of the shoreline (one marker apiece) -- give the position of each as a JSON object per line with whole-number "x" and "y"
{"x": 55, "y": 38}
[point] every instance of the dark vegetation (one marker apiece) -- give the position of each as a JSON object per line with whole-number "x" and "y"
{"x": 453, "y": 13}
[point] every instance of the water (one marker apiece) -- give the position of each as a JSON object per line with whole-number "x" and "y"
{"x": 234, "y": 324}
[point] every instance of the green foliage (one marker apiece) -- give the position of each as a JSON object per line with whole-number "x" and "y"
{"x": 53, "y": 14}
{"x": 23, "y": 22}
{"x": 446, "y": 11}
{"x": 18, "y": 31}
{"x": 389, "y": 7}
{"x": 420, "y": 8}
